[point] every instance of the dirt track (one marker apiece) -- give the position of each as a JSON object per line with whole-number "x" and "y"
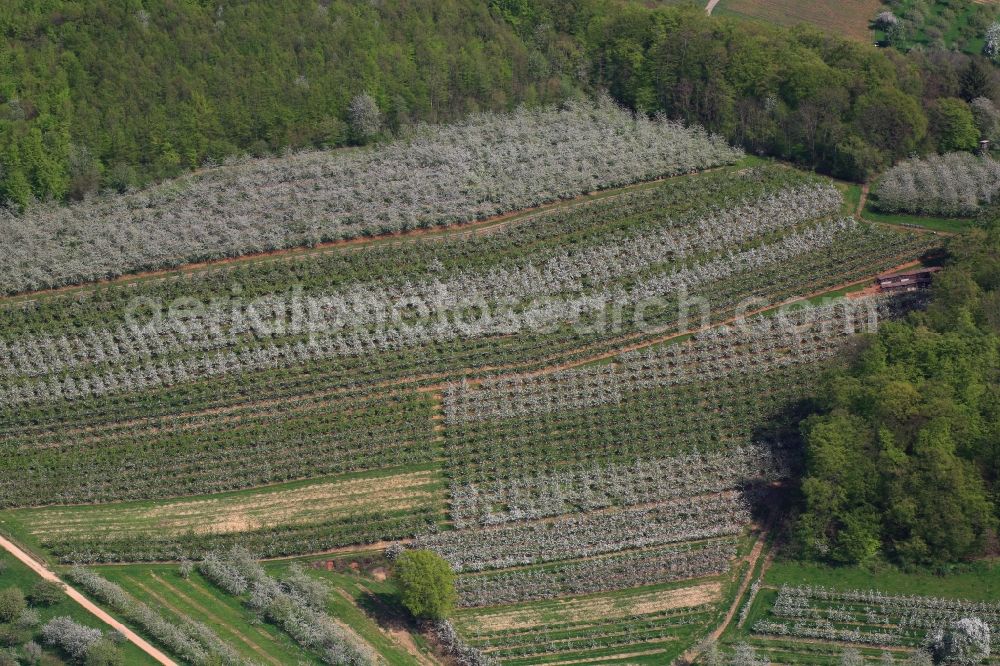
{"x": 758, "y": 548}
{"x": 88, "y": 605}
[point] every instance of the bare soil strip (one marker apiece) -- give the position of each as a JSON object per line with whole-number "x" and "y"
{"x": 597, "y": 608}
{"x": 88, "y": 605}
{"x": 610, "y": 657}
{"x": 224, "y": 515}
{"x": 768, "y": 561}
{"x": 758, "y": 548}
{"x": 865, "y": 189}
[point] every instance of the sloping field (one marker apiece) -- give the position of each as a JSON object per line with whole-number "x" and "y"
{"x": 807, "y": 613}
{"x": 440, "y": 175}
{"x": 593, "y": 608}
{"x": 849, "y": 18}
{"x": 654, "y": 622}
{"x": 194, "y": 598}
{"x": 396, "y": 498}
{"x": 546, "y": 400}
{"x": 222, "y": 400}
{"x": 231, "y": 397}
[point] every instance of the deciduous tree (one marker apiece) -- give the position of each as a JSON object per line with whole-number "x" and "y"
{"x": 426, "y": 583}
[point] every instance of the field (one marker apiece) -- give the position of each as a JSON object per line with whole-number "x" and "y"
{"x": 850, "y": 18}
{"x": 390, "y": 503}
{"x": 657, "y": 618}
{"x": 810, "y": 613}
{"x": 584, "y": 407}
{"x": 436, "y": 176}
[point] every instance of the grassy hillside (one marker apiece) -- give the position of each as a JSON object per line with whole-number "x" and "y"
{"x": 585, "y": 356}
{"x": 586, "y": 483}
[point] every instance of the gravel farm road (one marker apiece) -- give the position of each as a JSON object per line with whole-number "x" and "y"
{"x": 89, "y": 606}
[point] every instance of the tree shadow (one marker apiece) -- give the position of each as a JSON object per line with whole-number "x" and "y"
{"x": 385, "y": 609}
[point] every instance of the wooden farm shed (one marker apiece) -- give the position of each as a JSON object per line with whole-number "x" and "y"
{"x": 910, "y": 281}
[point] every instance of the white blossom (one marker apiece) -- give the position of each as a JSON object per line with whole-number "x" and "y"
{"x": 487, "y": 165}
{"x": 955, "y": 184}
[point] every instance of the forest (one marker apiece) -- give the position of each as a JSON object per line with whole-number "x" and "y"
{"x": 117, "y": 94}
{"x": 902, "y": 456}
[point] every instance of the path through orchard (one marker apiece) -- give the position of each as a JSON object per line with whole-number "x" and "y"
{"x": 89, "y": 606}
{"x": 758, "y": 549}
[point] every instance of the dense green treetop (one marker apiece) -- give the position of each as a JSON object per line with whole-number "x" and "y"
{"x": 955, "y": 125}
{"x": 847, "y": 108}
{"x": 426, "y": 584}
{"x": 903, "y": 458}
{"x": 123, "y": 91}
{"x": 11, "y": 604}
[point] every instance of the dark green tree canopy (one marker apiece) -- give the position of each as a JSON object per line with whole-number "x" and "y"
{"x": 11, "y": 604}
{"x": 120, "y": 92}
{"x": 954, "y": 125}
{"x": 426, "y": 584}
{"x": 903, "y": 459}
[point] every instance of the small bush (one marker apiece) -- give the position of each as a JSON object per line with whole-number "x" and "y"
{"x": 12, "y": 604}
{"x": 28, "y": 619}
{"x": 11, "y": 635}
{"x": 70, "y": 636}
{"x": 104, "y": 653}
{"x": 185, "y": 568}
{"x": 32, "y": 652}
{"x": 45, "y": 593}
